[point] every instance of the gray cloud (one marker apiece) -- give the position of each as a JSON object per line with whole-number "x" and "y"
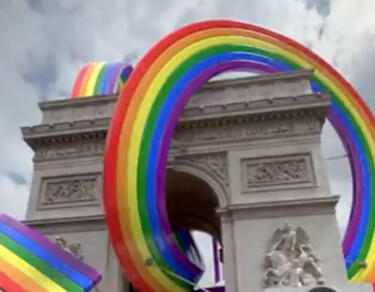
{"x": 45, "y": 42}
{"x": 323, "y": 7}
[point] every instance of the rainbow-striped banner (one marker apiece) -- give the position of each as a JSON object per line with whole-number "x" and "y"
{"x": 143, "y": 124}
{"x": 101, "y": 78}
{"x": 31, "y": 262}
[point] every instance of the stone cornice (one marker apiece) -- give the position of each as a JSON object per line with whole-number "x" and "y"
{"x": 77, "y": 102}
{"x": 282, "y": 208}
{"x": 280, "y": 108}
{"x": 259, "y": 79}
{"x": 96, "y": 222}
{"x": 65, "y": 132}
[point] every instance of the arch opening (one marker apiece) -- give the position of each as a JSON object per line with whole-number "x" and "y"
{"x": 191, "y": 207}
{"x": 191, "y": 204}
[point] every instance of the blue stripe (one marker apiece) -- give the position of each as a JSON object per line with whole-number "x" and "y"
{"x": 104, "y": 88}
{"x": 159, "y": 127}
{"x": 366, "y": 205}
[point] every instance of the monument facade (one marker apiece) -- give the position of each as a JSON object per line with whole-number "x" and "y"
{"x": 250, "y": 147}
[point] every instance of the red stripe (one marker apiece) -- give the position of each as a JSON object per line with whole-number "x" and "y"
{"x": 77, "y": 84}
{"x": 110, "y": 200}
{"x": 8, "y": 285}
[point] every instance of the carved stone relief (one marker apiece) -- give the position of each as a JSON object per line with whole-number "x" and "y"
{"x": 216, "y": 163}
{"x": 291, "y": 261}
{"x": 277, "y": 172}
{"x": 71, "y": 190}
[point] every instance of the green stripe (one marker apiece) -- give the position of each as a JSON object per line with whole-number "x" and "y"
{"x": 99, "y": 80}
{"x": 354, "y": 268}
{"x": 155, "y": 110}
{"x": 39, "y": 264}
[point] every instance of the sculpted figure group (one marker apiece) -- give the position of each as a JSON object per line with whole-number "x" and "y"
{"x": 74, "y": 249}
{"x": 291, "y": 261}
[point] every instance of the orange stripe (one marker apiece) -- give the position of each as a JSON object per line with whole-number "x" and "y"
{"x": 85, "y": 79}
{"x": 18, "y": 277}
{"x": 78, "y": 81}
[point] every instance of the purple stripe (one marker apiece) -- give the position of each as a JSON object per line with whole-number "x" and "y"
{"x": 124, "y": 75}
{"x": 115, "y": 75}
{"x": 53, "y": 248}
{"x": 180, "y": 103}
{"x": 356, "y": 172}
{"x": 128, "y": 69}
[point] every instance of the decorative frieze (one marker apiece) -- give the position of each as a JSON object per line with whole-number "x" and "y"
{"x": 67, "y": 150}
{"x": 223, "y": 130}
{"x": 239, "y": 129}
{"x": 72, "y": 190}
{"x": 277, "y": 172}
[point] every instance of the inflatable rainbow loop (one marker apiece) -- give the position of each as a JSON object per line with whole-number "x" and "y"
{"x": 146, "y": 115}
{"x": 101, "y": 78}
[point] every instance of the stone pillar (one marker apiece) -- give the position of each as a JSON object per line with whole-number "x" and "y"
{"x": 276, "y": 180}
{"x": 66, "y": 192}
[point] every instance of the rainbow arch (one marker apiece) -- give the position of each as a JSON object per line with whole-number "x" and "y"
{"x": 146, "y": 115}
{"x": 101, "y": 78}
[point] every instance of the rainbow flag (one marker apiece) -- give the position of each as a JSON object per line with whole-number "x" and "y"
{"x": 31, "y": 262}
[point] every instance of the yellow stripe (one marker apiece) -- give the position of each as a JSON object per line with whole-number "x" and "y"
{"x": 89, "y": 91}
{"x": 163, "y": 75}
{"x": 30, "y": 271}
{"x": 136, "y": 228}
{"x": 154, "y": 88}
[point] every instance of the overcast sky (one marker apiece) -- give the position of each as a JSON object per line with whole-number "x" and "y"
{"x": 43, "y": 44}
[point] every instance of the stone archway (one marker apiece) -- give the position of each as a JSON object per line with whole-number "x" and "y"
{"x": 192, "y": 204}
{"x": 195, "y": 189}
{"x": 197, "y": 180}
{"x": 211, "y": 168}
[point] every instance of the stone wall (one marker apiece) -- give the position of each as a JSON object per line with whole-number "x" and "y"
{"x": 253, "y": 140}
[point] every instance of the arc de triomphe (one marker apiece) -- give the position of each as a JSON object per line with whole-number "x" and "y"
{"x": 245, "y": 158}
